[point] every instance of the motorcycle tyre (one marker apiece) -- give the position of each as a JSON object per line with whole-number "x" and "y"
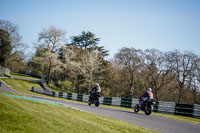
{"x": 148, "y": 112}
{"x": 136, "y": 108}
{"x": 89, "y": 103}
{"x": 97, "y": 103}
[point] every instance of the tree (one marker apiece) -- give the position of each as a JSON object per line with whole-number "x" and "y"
{"x": 183, "y": 66}
{"x": 5, "y": 47}
{"x": 50, "y": 39}
{"x": 85, "y": 40}
{"x": 157, "y": 70}
{"x": 91, "y": 68}
{"x": 81, "y": 66}
{"x": 69, "y": 56}
{"x": 16, "y": 46}
{"x": 131, "y": 60}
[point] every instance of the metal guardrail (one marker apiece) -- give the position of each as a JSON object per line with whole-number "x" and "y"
{"x": 4, "y": 71}
{"x": 160, "y": 107}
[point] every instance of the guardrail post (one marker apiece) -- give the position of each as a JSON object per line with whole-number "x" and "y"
{"x": 156, "y": 106}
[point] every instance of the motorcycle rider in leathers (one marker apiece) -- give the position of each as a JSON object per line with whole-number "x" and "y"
{"x": 148, "y": 94}
{"x": 96, "y": 90}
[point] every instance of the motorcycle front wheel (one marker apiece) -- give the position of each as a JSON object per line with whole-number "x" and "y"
{"x": 89, "y": 103}
{"x": 136, "y": 108}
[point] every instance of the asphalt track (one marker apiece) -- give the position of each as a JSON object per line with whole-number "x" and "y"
{"x": 160, "y": 124}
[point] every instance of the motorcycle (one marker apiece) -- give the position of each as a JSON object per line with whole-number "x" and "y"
{"x": 94, "y": 99}
{"x": 147, "y": 106}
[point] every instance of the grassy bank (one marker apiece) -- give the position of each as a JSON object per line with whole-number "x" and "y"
{"x": 21, "y": 85}
{"x": 18, "y": 115}
{"x": 19, "y": 75}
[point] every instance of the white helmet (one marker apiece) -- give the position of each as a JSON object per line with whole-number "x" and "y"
{"x": 149, "y": 89}
{"x": 98, "y": 87}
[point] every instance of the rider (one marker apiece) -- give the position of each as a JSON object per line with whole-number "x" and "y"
{"x": 96, "y": 90}
{"x": 148, "y": 94}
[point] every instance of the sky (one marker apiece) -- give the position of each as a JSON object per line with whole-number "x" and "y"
{"x": 166, "y": 25}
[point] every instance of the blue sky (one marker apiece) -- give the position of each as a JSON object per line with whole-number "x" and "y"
{"x": 143, "y": 24}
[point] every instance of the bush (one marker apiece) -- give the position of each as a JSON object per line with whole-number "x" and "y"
{"x": 65, "y": 85}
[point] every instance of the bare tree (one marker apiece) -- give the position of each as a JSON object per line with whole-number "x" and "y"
{"x": 194, "y": 82}
{"x": 183, "y": 66}
{"x": 52, "y": 38}
{"x": 157, "y": 70}
{"x": 91, "y": 68}
{"x": 131, "y": 60}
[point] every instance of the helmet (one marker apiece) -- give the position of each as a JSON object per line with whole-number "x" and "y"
{"x": 149, "y": 89}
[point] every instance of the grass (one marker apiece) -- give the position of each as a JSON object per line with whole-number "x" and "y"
{"x": 21, "y": 85}
{"x": 19, "y": 115}
{"x": 180, "y": 118}
{"x": 24, "y": 86}
{"x": 19, "y": 75}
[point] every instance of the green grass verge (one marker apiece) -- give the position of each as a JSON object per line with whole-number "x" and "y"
{"x": 19, "y": 75}
{"x": 21, "y": 85}
{"x": 24, "y": 86}
{"x": 18, "y": 115}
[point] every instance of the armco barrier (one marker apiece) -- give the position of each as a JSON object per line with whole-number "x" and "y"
{"x": 165, "y": 107}
{"x": 85, "y": 98}
{"x": 134, "y": 102}
{"x": 74, "y": 96}
{"x": 160, "y": 107}
{"x": 107, "y": 101}
{"x": 101, "y": 100}
{"x": 60, "y": 94}
{"x": 5, "y": 71}
{"x": 116, "y": 101}
{"x": 53, "y": 93}
{"x": 64, "y": 95}
{"x": 126, "y": 102}
{"x": 184, "y": 109}
{"x": 196, "y": 112}
{"x": 69, "y": 96}
{"x": 80, "y": 97}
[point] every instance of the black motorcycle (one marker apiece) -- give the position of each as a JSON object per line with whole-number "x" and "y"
{"x": 94, "y": 99}
{"x": 147, "y": 106}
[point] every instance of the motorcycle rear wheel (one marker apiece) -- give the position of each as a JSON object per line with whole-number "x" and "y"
{"x": 97, "y": 103}
{"x": 149, "y": 110}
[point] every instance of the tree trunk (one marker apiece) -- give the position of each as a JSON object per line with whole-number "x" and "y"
{"x": 49, "y": 74}
{"x": 181, "y": 86}
{"x": 132, "y": 85}
{"x": 156, "y": 94}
